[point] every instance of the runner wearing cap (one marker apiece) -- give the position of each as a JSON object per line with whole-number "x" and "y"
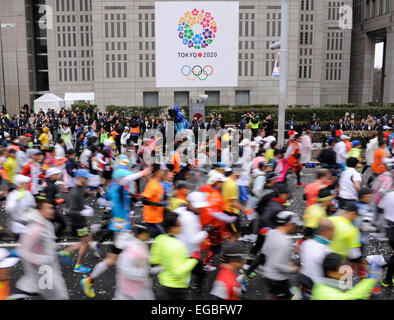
{"x": 226, "y": 286}
{"x": 44, "y": 138}
{"x": 233, "y": 207}
{"x": 355, "y": 151}
{"x": 19, "y": 204}
{"x": 214, "y": 216}
{"x": 341, "y": 152}
{"x": 133, "y": 268}
{"x": 314, "y": 213}
{"x": 51, "y": 193}
{"x": 328, "y": 157}
{"x": 124, "y": 138}
{"x": 191, "y": 233}
{"x": 119, "y": 196}
{"x": 76, "y": 200}
{"x": 276, "y": 250}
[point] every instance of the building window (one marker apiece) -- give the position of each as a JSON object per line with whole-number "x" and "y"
{"x": 213, "y": 98}
{"x": 367, "y": 9}
{"x": 181, "y": 98}
{"x": 242, "y": 97}
{"x": 373, "y": 8}
{"x": 151, "y": 99}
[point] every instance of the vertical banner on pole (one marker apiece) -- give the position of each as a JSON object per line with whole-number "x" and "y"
{"x": 276, "y": 71}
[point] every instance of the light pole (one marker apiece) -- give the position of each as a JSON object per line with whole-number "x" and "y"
{"x": 283, "y": 71}
{"x": 5, "y": 25}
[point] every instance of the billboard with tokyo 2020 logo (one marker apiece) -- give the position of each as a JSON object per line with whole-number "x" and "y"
{"x": 196, "y": 44}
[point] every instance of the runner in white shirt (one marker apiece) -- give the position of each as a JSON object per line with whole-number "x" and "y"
{"x": 349, "y": 183}
{"x": 341, "y": 151}
{"x": 312, "y": 254}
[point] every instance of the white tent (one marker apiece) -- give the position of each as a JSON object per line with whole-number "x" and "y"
{"x": 77, "y": 97}
{"x": 48, "y": 101}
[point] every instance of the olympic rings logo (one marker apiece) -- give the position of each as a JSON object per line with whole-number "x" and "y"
{"x": 196, "y": 72}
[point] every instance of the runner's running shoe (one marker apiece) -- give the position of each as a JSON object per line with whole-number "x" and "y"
{"x": 82, "y": 269}
{"x": 386, "y": 284}
{"x": 88, "y": 288}
{"x": 209, "y": 268}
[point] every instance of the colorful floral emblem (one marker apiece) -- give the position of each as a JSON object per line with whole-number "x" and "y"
{"x": 187, "y": 31}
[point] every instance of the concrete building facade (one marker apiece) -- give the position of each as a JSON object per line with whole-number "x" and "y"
{"x": 108, "y": 47}
{"x": 373, "y": 22}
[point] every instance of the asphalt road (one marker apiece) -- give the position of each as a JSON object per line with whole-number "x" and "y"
{"x": 105, "y": 285}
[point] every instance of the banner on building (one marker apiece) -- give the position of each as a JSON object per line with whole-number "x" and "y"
{"x": 196, "y": 44}
{"x": 276, "y": 71}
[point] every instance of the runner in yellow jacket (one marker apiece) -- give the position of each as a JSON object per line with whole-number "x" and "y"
{"x": 171, "y": 254}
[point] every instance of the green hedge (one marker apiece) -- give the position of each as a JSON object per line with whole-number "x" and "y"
{"x": 304, "y": 114}
{"x": 232, "y": 114}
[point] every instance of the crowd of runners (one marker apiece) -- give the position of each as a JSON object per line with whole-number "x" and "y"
{"x": 194, "y": 214}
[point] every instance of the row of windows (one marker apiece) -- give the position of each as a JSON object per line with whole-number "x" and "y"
{"x": 246, "y": 16}
{"x": 246, "y": 25}
{"x": 116, "y": 69}
{"x": 71, "y": 74}
{"x": 246, "y": 44}
{"x": 334, "y": 71}
{"x": 115, "y": 29}
{"x": 307, "y": 17}
{"x": 270, "y": 59}
{"x": 151, "y": 57}
{"x": 115, "y": 17}
{"x": 306, "y": 38}
{"x": 69, "y": 63}
{"x": 73, "y": 53}
{"x": 147, "y": 44}
{"x": 375, "y": 8}
{"x": 333, "y": 10}
{"x": 71, "y": 5}
{"x": 115, "y": 46}
{"x": 66, "y": 19}
{"x": 118, "y": 57}
{"x": 305, "y": 71}
{"x": 334, "y": 56}
{"x": 273, "y": 24}
{"x": 147, "y": 69}
{"x": 146, "y": 28}
{"x": 69, "y": 39}
{"x": 307, "y": 5}
{"x": 335, "y": 41}
{"x": 306, "y": 51}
